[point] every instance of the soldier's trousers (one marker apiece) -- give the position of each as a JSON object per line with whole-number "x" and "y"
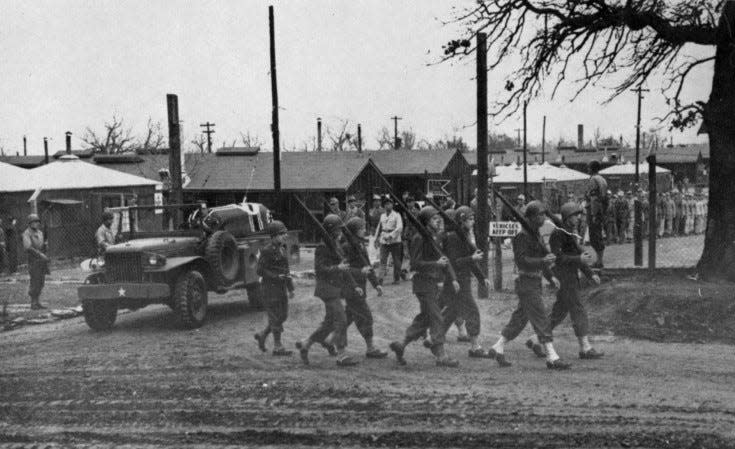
{"x": 358, "y": 312}
{"x": 335, "y": 321}
{"x": 276, "y": 305}
{"x": 429, "y": 318}
{"x": 569, "y": 303}
{"x": 37, "y": 272}
{"x": 461, "y": 305}
{"x": 395, "y": 250}
{"x": 530, "y": 308}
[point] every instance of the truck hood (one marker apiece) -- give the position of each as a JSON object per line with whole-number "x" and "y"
{"x": 165, "y": 246}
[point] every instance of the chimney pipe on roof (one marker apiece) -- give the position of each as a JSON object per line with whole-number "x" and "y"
{"x": 359, "y": 138}
{"x": 68, "y": 142}
{"x": 25, "y": 146}
{"x": 45, "y": 150}
{"x": 580, "y": 136}
{"x": 319, "y": 134}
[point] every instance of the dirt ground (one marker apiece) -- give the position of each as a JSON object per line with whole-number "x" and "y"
{"x": 149, "y": 384}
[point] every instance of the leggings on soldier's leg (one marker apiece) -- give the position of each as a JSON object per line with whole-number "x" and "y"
{"x": 530, "y": 308}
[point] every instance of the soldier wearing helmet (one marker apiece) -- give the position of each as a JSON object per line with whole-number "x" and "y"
{"x": 570, "y": 259}
{"x": 429, "y": 267}
{"x": 357, "y": 309}
{"x": 105, "y": 236}
{"x": 463, "y": 254}
{"x": 331, "y": 281}
{"x": 276, "y": 287}
{"x": 35, "y": 247}
{"x": 533, "y": 261}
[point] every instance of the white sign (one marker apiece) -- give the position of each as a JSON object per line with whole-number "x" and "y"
{"x": 504, "y": 228}
{"x": 438, "y": 186}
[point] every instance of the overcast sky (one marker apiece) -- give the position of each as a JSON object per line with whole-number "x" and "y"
{"x": 67, "y": 65}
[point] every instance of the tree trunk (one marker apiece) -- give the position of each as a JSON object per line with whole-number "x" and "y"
{"x": 718, "y": 257}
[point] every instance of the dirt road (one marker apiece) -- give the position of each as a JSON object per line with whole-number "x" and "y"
{"x": 148, "y": 384}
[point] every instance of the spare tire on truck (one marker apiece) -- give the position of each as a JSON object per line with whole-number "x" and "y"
{"x": 221, "y": 253}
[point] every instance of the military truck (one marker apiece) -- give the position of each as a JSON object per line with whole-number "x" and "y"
{"x": 215, "y": 250}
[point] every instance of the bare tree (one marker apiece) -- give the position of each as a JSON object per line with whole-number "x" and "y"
{"x": 341, "y": 139}
{"x": 385, "y": 139}
{"x": 624, "y": 43}
{"x": 115, "y": 139}
{"x": 408, "y": 140}
{"x": 250, "y": 140}
{"x": 153, "y": 140}
{"x": 200, "y": 143}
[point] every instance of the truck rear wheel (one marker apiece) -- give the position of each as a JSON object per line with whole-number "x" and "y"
{"x": 221, "y": 253}
{"x": 190, "y": 299}
{"x": 100, "y": 315}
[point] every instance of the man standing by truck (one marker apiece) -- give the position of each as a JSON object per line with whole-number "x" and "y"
{"x": 35, "y": 247}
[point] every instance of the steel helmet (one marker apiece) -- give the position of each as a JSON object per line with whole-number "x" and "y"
{"x": 107, "y": 215}
{"x": 332, "y": 223}
{"x": 276, "y": 227}
{"x": 426, "y": 213}
{"x": 569, "y": 209}
{"x": 354, "y": 225}
{"x": 534, "y": 208}
{"x": 463, "y": 213}
{"x": 32, "y": 218}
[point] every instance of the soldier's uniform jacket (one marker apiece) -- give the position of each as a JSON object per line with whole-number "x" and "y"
{"x": 34, "y": 245}
{"x": 423, "y": 262}
{"x": 568, "y": 259}
{"x": 330, "y": 280}
{"x": 355, "y": 258}
{"x": 459, "y": 252}
{"x": 597, "y": 195}
{"x": 273, "y": 261}
{"x": 528, "y": 252}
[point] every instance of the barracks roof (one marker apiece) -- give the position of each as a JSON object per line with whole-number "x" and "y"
{"x": 411, "y": 162}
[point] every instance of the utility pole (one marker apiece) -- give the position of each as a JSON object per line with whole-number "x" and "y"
{"x": 174, "y": 156}
{"x": 45, "y": 150}
{"x": 525, "y": 151}
{"x": 359, "y": 138}
{"x": 208, "y": 131}
{"x": 319, "y": 134}
{"x": 482, "y": 171}
{"x": 396, "y": 142}
{"x": 543, "y": 138}
{"x": 274, "y": 124}
{"x": 637, "y": 208}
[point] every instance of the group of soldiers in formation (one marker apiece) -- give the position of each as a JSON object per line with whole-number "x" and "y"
{"x": 443, "y": 258}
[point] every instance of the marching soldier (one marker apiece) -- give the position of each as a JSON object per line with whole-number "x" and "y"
{"x": 569, "y": 260}
{"x": 276, "y": 287}
{"x": 464, "y": 255}
{"x": 358, "y": 311}
{"x": 330, "y": 272}
{"x": 533, "y": 261}
{"x": 35, "y": 247}
{"x": 429, "y": 268}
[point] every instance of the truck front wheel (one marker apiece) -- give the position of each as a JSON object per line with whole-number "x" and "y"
{"x": 190, "y": 299}
{"x": 99, "y": 314}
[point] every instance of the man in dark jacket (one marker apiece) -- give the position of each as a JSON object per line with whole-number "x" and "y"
{"x": 276, "y": 287}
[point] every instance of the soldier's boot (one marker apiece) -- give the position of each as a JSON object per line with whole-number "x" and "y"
{"x": 36, "y": 303}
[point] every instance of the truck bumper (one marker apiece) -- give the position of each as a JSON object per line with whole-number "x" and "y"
{"x": 124, "y": 291}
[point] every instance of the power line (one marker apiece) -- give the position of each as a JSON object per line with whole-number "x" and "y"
{"x": 208, "y": 131}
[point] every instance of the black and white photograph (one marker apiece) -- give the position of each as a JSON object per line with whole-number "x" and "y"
{"x": 367, "y": 224}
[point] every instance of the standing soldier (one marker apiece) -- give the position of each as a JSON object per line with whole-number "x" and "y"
{"x": 388, "y": 240}
{"x": 679, "y": 215}
{"x": 661, "y": 214}
{"x": 353, "y": 209}
{"x": 533, "y": 261}
{"x": 429, "y": 269}
{"x": 331, "y": 278}
{"x": 569, "y": 260}
{"x": 611, "y": 220}
{"x": 358, "y": 311}
{"x": 374, "y": 214}
{"x": 334, "y": 208}
{"x": 631, "y": 215}
{"x": 276, "y": 287}
{"x": 622, "y": 216}
{"x": 105, "y": 236}
{"x": 35, "y": 247}
{"x": 670, "y": 211}
{"x": 3, "y": 248}
{"x": 464, "y": 256}
{"x": 596, "y": 197}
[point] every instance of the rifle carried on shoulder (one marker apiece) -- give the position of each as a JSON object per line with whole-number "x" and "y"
{"x": 425, "y": 233}
{"x": 521, "y": 219}
{"x": 328, "y": 240}
{"x": 460, "y": 233}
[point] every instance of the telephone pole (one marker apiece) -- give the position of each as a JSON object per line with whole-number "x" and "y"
{"x": 637, "y": 208}
{"x": 396, "y": 143}
{"x": 208, "y": 131}
{"x": 543, "y": 139}
{"x": 482, "y": 168}
{"x": 525, "y": 152}
{"x": 274, "y": 124}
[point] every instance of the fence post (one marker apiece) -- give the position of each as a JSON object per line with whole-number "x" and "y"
{"x": 652, "y": 207}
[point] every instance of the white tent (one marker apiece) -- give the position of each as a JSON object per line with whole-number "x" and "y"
{"x": 536, "y": 173}
{"x": 13, "y": 179}
{"x": 629, "y": 169}
{"x": 70, "y": 173}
